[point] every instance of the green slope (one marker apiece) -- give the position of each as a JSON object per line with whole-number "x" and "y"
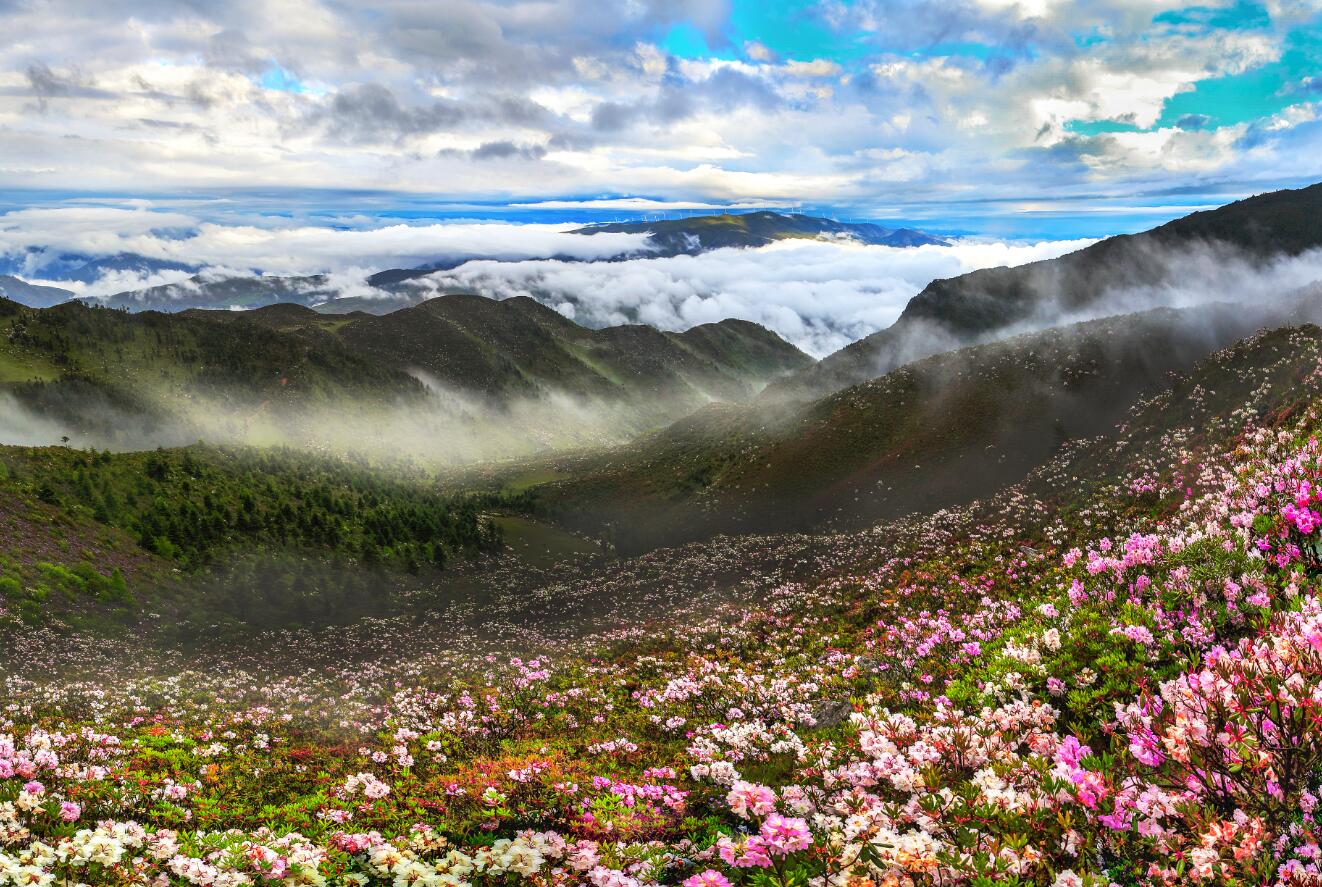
{"x": 513, "y": 349}
{"x": 148, "y": 519}
{"x": 113, "y": 377}
{"x": 935, "y": 433}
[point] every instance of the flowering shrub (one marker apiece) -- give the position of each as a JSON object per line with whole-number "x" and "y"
{"x": 1120, "y": 685}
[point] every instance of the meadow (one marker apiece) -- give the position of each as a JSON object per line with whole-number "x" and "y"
{"x": 1110, "y": 673}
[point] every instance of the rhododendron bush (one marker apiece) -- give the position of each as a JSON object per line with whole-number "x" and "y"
{"x": 1121, "y": 686}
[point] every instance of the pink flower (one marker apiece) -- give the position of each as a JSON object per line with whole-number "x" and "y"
{"x": 749, "y": 799}
{"x": 1071, "y": 752}
{"x": 1143, "y": 746}
{"x": 35, "y": 788}
{"x": 749, "y": 853}
{"x": 69, "y": 811}
{"x": 709, "y": 878}
{"x": 1090, "y": 786}
{"x": 786, "y": 835}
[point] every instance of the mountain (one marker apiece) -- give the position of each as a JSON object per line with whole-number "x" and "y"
{"x": 517, "y": 349}
{"x": 700, "y": 234}
{"x": 90, "y": 270}
{"x": 1119, "y": 270}
{"x": 932, "y": 434}
{"x": 82, "y": 268}
{"x": 204, "y": 291}
{"x": 30, "y": 294}
{"x": 110, "y": 377}
{"x": 458, "y": 377}
{"x": 389, "y": 290}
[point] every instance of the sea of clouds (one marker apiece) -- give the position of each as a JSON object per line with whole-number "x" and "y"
{"x": 818, "y": 295}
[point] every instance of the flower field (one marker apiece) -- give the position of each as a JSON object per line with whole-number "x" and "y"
{"x": 1111, "y": 674}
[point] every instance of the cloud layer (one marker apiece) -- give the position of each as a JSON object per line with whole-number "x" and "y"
{"x": 33, "y": 242}
{"x": 870, "y": 103}
{"x": 820, "y": 296}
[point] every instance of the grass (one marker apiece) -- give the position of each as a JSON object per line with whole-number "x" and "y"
{"x": 21, "y": 365}
{"x": 523, "y": 482}
{"x": 542, "y": 545}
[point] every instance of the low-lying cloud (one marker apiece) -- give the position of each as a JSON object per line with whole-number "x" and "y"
{"x": 448, "y": 427}
{"x": 819, "y": 295}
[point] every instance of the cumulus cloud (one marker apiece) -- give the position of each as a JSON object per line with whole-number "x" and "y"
{"x": 567, "y": 100}
{"x": 818, "y": 295}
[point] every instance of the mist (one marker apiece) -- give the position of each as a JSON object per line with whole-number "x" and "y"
{"x": 817, "y": 295}
{"x": 21, "y": 427}
{"x": 1198, "y": 274}
{"x": 445, "y": 427}
{"x": 989, "y": 306}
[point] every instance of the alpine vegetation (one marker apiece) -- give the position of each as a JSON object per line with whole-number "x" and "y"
{"x": 660, "y": 444}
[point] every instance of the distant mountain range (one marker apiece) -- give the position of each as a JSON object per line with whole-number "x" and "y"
{"x": 207, "y": 291}
{"x": 701, "y": 234}
{"x": 519, "y": 348}
{"x": 980, "y": 306}
{"x": 33, "y": 296}
{"x": 80, "y": 268}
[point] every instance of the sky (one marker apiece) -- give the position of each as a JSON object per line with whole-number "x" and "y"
{"x": 1001, "y": 118}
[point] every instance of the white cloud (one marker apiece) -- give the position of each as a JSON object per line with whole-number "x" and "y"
{"x": 402, "y": 96}
{"x": 641, "y": 204}
{"x": 288, "y": 250}
{"x": 821, "y": 296}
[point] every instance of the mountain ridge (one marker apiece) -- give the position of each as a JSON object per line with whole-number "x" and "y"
{"x": 931, "y": 434}
{"x": 515, "y": 373}
{"x": 33, "y": 295}
{"x": 962, "y": 310}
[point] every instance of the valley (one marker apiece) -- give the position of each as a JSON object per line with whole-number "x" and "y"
{"x": 538, "y": 595}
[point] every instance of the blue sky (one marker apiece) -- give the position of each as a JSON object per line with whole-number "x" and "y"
{"x": 1011, "y": 118}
